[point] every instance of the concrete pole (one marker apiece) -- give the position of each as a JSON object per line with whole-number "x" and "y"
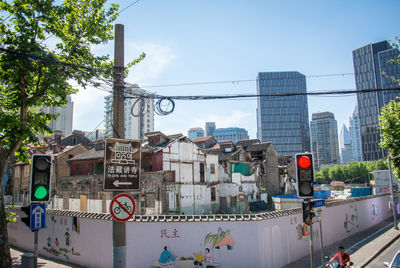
{"x": 394, "y": 203}
{"x": 311, "y": 246}
{"x": 119, "y": 228}
{"x": 35, "y": 248}
{"x": 321, "y": 239}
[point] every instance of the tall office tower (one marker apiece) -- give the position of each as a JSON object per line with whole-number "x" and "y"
{"x": 346, "y": 152}
{"x": 283, "y": 120}
{"x": 369, "y": 63}
{"x": 136, "y": 123}
{"x": 210, "y": 128}
{"x": 234, "y": 134}
{"x": 355, "y": 136}
{"x": 64, "y": 120}
{"x": 324, "y": 139}
{"x": 195, "y": 132}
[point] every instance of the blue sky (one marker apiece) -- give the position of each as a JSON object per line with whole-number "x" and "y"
{"x": 200, "y": 41}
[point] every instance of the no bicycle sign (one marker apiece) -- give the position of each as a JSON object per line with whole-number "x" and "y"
{"x": 122, "y": 207}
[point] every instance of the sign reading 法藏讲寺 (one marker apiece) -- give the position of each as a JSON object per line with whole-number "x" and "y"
{"x": 121, "y": 165}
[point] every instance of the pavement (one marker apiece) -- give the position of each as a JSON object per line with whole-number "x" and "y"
{"x": 42, "y": 261}
{"x": 363, "y": 247}
{"x": 386, "y": 256}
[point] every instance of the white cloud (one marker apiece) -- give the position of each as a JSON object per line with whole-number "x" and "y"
{"x": 158, "y": 57}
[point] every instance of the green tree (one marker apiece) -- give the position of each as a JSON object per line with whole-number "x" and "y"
{"x": 34, "y": 74}
{"x": 389, "y": 123}
{"x": 389, "y": 120}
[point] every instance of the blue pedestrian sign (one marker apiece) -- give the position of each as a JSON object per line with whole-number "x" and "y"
{"x": 38, "y": 216}
{"x": 319, "y": 203}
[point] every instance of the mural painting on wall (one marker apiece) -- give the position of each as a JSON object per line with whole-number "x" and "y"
{"x": 62, "y": 245}
{"x": 375, "y": 211}
{"x": 351, "y": 218}
{"x": 202, "y": 258}
{"x": 303, "y": 230}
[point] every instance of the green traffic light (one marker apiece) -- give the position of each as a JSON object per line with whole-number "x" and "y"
{"x": 40, "y": 192}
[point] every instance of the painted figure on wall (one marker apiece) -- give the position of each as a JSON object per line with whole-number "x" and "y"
{"x": 56, "y": 242}
{"x": 166, "y": 257}
{"x": 67, "y": 237}
{"x": 208, "y": 257}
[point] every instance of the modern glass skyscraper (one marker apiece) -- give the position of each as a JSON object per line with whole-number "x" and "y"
{"x": 369, "y": 63}
{"x": 346, "y": 153}
{"x": 355, "y": 135}
{"x": 195, "y": 132}
{"x": 283, "y": 120}
{"x": 324, "y": 137}
{"x": 210, "y": 128}
{"x": 234, "y": 134}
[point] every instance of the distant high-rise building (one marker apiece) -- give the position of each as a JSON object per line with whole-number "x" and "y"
{"x": 195, "y": 132}
{"x": 95, "y": 135}
{"x": 136, "y": 124}
{"x": 355, "y": 135}
{"x": 370, "y": 62}
{"x": 324, "y": 138}
{"x": 346, "y": 153}
{"x": 64, "y": 120}
{"x": 210, "y": 128}
{"x": 283, "y": 120}
{"x": 234, "y": 134}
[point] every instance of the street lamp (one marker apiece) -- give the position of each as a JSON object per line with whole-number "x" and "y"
{"x": 394, "y": 202}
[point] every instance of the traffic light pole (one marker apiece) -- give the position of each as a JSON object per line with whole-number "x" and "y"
{"x": 311, "y": 240}
{"x": 394, "y": 203}
{"x": 321, "y": 240}
{"x": 119, "y": 228}
{"x": 35, "y": 248}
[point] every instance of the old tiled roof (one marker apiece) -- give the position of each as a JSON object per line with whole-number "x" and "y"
{"x": 203, "y": 139}
{"x": 91, "y": 154}
{"x": 247, "y": 143}
{"x": 225, "y": 142}
{"x": 175, "y": 136}
{"x": 258, "y": 146}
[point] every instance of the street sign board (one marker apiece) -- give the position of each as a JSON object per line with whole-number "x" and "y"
{"x": 319, "y": 203}
{"x": 122, "y": 207}
{"x": 38, "y": 216}
{"x": 122, "y": 165}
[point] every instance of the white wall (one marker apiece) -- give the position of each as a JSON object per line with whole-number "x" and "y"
{"x": 266, "y": 243}
{"x": 92, "y": 245}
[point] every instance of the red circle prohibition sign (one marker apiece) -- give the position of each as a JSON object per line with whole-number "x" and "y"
{"x": 122, "y": 207}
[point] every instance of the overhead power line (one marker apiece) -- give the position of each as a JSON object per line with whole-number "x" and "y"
{"x": 128, "y": 6}
{"x": 249, "y": 80}
{"x": 243, "y": 96}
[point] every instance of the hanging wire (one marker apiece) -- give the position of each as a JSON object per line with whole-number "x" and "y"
{"x": 141, "y": 103}
{"x": 164, "y": 106}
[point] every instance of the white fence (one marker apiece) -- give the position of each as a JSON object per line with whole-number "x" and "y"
{"x": 261, "y": 242}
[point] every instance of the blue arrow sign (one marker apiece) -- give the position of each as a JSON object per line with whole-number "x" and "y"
{"x": 38, "y": 216}
{"x": 319, "y": 203}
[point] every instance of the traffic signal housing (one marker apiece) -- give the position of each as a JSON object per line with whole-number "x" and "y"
{"x": 308, "y": 214}
{"x": 40, "y": 178}
{"x": 27, "y": 218}
{"x": 305, "y": 175}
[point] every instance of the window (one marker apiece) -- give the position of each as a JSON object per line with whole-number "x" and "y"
{"x": 212, "y": 168}
{"x": 212, "y": 193}
{"x": 233, "y": 201}
{"x": 202, "y": 172}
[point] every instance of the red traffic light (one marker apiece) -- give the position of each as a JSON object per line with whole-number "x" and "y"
{"x": 304, "y": 162}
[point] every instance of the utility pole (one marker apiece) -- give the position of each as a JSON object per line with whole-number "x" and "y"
{"x": 394, "y": 201}
{"x": 119, "y": 228}
{"x": 321, "y": 240}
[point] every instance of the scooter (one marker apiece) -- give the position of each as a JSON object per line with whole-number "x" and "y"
{"x": 335, "y": 264}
